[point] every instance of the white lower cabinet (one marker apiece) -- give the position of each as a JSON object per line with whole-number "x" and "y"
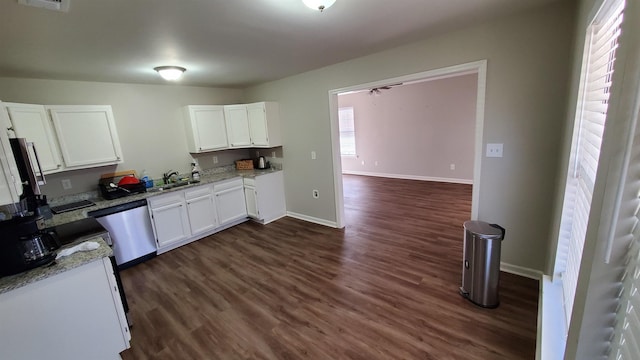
{"x": 182, "y": 216}
{"x": 74, "y": 315}
{"x": 201, "y": 209}
{"x": 251, "y": 199}
{"x": 170, "y": 219}
{"x": 264, "y": 196}
{"x": 230, "y": 201}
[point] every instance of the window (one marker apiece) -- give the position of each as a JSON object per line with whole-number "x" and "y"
{"x": 625, "y": 344}
{"x": 591, "y": 113}
{"x": 346, "y": 124}
{"x": 624, "y": 232}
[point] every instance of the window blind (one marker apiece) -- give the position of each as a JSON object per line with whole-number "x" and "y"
{"x": 598, "y": 66}
{"x": 625, "y": 344}
{"x": 346, "y": 124}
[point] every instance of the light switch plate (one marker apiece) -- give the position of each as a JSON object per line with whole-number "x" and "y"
{"x": 313, "y": 155}
{"x": 494, "y": 150}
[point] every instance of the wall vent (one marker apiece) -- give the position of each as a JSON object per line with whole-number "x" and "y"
{"x": 55, "y": 5}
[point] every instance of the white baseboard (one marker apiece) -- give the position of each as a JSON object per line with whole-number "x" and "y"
{"x": 522, "y": 271}
{"x": 312, "y": 219}
{"x": 409, "y": 177}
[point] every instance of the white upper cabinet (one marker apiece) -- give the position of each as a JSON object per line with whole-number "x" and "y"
{"x": 206, "y": 129}
{"x": 237, "y": 126}
{"x": 86, "y": 134}
{"x": 264, "y": 124}
{"x": 218, "y": 127}
{"x": 32, "y": 123}
{"x": 10, "y": 184}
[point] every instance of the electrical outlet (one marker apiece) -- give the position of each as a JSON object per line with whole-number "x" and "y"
{"x": 452, "y": 167}
{"x": 494, "y": 150}
{"x": 66, "y": 184}
{"x": 257, "y": 153}
{"x": 313, "y": 155}
{"x": 363, "y": 162}
{"x": 273, "y": 154}
{"x": 215, "y": 159}
{"x": 315, "y": 193}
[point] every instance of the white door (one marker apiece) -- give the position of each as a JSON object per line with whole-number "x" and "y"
{"x": 171, "y": 224}
{"x": 87, "y": 135}
{"x": 32, "y": 123}
{"x": 202, "y": 214}
{"x": 210, "y": 128}
{"x": 237, "y": 125}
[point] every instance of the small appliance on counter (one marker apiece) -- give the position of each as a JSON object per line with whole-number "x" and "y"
{"x": 120, "y": 184}
{"x": 26, "y": 244}
{"x": 262, "y": 164}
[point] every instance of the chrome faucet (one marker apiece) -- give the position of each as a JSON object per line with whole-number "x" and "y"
{"x": 167, "y": 176}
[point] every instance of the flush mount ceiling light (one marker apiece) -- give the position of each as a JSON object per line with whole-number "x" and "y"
{"x": 319, "y": 5}
{"x": 170, "y": 72}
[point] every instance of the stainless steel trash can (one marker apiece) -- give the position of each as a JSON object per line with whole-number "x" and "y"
{"x": 481, "y": 263}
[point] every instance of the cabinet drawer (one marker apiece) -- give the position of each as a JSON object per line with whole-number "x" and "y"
{"x": 199, "y": 191}
{"x": 249, "y": 182}
{"x": 227, "y": 184}
{"x": 166, "y": 199}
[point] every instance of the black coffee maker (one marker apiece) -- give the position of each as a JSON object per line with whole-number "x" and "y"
{"x": 25, "y": 244}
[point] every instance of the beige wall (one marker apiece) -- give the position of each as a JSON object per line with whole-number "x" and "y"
{"x": 415, "y": 130}
{"x": 528, "y": 64}
{"x": 149, "y": 120}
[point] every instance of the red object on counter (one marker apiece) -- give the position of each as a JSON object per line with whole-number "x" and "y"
{"x": 128, "y": 180}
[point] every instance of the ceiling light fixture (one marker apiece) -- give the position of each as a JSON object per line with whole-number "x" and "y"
{"x": 170, "y": 72}
{"x": 319, "y": 5}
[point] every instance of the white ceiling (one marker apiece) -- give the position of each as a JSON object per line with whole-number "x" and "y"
{"x": 226, "y": 43}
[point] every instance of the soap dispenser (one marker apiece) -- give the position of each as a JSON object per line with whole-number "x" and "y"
{"x": 145, "y": 179}
{"x": 195, "y": 171}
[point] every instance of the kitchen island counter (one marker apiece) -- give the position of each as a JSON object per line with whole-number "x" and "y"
{"x": 61, "y": 265}
{"x": 71, "y": 310}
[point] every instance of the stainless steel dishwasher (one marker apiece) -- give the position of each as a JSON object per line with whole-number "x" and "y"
{"x": 130, "y": 228}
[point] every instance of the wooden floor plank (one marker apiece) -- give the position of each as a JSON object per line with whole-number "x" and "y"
{"x": 385, "y": 287}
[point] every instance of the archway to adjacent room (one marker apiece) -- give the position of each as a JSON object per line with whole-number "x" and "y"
{"x": 478, "y": 67}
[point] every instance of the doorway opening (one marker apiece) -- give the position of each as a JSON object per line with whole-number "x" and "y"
{"x": 478, "y": 67}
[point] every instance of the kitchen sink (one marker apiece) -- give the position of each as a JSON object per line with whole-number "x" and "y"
{"x": 171, "y": 185}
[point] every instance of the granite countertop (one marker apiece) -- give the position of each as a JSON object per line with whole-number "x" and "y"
{"x": 61, "y": 265}
{"x": 101, "y": 203}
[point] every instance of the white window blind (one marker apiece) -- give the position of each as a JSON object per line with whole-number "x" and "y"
{"x": 597, "y": 71}
{"x": 626, "y": 339}
{"x": 346, "y": 124}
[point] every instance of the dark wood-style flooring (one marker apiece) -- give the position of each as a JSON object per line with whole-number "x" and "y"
{"x": 385, "y": 287}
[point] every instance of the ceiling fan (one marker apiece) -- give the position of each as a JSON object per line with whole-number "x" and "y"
{"x": 378, "y": 90}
